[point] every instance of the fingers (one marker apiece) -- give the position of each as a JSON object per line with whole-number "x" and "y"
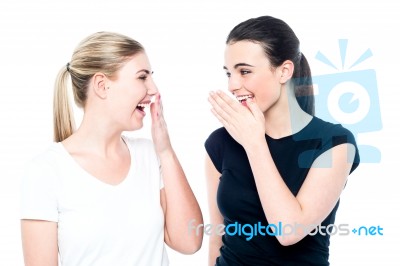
{"x": 232, "y": 113}
{"x": 225, "y": 108}
{"x": 156, "y": 107}
{"x": 225, "y": 103}
{"x": 219, "y": 108}
{"x": 228, "y": 109}
{"x": 254, "y": 109}
{"x": 220, "y": 118}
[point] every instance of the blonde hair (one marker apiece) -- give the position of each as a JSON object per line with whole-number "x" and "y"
{"x": 104, "y": 52}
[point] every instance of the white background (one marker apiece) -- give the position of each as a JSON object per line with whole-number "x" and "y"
{"x": 185, "y": 43}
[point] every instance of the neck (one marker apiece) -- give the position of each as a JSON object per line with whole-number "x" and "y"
{"x": 96, "y": 136}
{"x": 285, "y": 117}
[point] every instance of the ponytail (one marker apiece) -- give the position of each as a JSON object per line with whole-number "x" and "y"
{"x": 104, "y": 52}
{"x": 63, "y": 118}
{"x": 303, "y": 86}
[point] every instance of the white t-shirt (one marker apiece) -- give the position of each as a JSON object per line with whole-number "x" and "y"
{"x": 99, "y": 224}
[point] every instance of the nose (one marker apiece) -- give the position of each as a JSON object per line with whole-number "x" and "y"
{"x": 234, "y": 83}
{"x": 151, "y": 87}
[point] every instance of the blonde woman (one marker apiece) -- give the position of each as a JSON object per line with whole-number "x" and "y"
{"x": 96, "y": 196}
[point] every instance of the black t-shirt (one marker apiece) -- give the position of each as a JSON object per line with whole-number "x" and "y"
{"x": 239, "y": 203}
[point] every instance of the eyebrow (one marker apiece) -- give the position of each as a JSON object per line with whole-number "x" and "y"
{"x": 239, "y": 65}
{"x": 145, "y": 71}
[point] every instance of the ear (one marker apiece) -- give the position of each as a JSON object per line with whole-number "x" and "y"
{"x": 286, "y": 71}
{"x": 99, "y": 84}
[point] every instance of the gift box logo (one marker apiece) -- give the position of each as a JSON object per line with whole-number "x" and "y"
{"x": 350, "y": 98}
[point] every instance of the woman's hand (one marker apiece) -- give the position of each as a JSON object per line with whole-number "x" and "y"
{"x": 159, "y": 129}
{"x": 245, "y": 125}
{"x": 176, "y": 197}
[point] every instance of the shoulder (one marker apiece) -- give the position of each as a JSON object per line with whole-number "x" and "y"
{"x": 219, "y": 132}
{"x": 333, "y": 135}
{"x": 215, "y": 146}
{"x": 217, "y": 136}
{"x": 49, "y": 157}
{"x": 327, "y": 131}
{"x": 216, "y": 140}
{"x": 138, "y": 143}
{"x": 144, "y": 146}
{"x": 45, "y": 165}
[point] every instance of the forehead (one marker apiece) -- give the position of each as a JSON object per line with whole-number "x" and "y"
{"x": 136, "y": 63}
{"x": 244, "y": 52}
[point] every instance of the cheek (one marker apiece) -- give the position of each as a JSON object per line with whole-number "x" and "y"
{"x": 262, "y": 87}
{"x": 134, "y": 94}
{"x": 267, "y": 93}
{"x": 138, "y": 91}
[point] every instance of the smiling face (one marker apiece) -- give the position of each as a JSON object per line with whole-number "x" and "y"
{"x": 251, "y": 74}
{"x": 131, "y": 91}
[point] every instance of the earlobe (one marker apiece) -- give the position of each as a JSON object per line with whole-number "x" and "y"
{"x": 99, "y": 85}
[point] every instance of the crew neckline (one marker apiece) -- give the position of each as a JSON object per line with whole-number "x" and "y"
{"x": 292, "y": 135}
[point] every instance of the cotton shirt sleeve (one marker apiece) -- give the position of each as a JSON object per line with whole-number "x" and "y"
{"x": 214, "y": 147}
{"x": 337, "y": 135}
{"x": 38, "y": 192}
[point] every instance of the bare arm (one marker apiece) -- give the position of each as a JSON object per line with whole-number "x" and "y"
{"x": 215, "y": 241}
{"x": 312, "y": 204}
{"x": 180, "y": 207}
{"x": 39, "y": 243}
{"x": 177, "y": 199}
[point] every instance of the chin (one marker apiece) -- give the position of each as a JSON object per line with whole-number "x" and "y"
{"x": 136, "y": 125}
{"x": 133, "y": 128}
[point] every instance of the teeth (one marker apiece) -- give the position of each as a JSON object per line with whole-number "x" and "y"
{"x": 143, "y": 105}
{"x": 243, "y": 97}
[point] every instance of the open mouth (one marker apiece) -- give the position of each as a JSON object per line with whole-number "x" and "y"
{"x": 142, "y": 106}
{"x": 243, "y": 98}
